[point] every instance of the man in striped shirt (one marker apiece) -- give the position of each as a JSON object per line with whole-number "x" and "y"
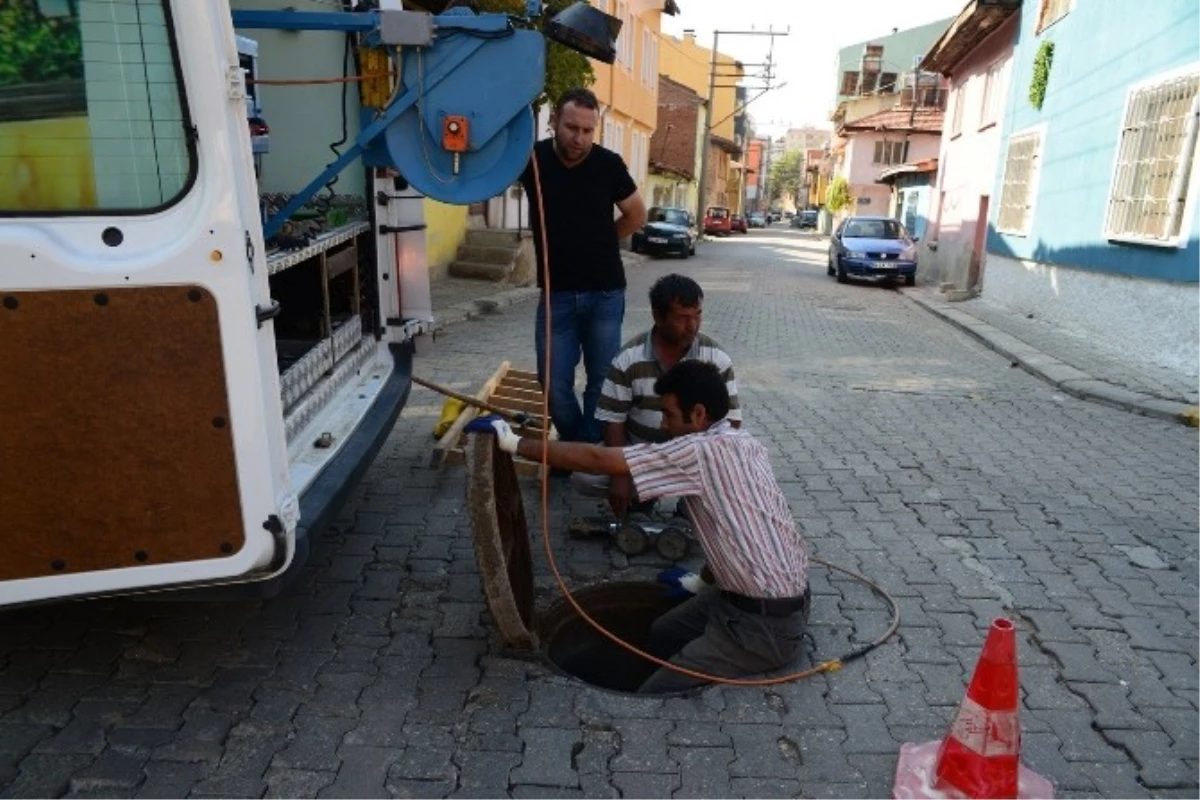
{"x": 751, "y": 620}
{"x": 629, "y": 407}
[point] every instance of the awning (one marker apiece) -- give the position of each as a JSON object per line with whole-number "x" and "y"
{"x": 892, "y": 173}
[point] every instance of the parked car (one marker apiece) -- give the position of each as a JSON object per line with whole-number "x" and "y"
{"x": 717, "y": 220}
{"x": 668, "y": 231}
{"x": 872, "y": 247}
{"x": 738, "y": 224}
{"x": 805, "y": 220}
{"x": 756, "y": 220}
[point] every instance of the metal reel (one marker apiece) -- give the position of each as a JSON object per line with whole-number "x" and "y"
{"x": 673, "y": 543}
{"x": 632, "y": 540}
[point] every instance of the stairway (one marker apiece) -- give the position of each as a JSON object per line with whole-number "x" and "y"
{"x": 487, "y": 254}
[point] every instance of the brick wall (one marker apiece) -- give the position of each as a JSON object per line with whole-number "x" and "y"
{"x": 673, "y": 145}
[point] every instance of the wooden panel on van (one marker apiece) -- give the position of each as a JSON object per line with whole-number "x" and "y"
{"x": 116, "y": 448}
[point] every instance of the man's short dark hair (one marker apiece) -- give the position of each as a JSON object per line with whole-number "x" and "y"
{"x": 678, "y": 288}
{"x": 696, "y": 383}
{"x": 584, "y": 98}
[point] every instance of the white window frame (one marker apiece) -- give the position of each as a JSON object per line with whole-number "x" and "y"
{"x": 621, "y": 12}
{"x": 1182, "y": 180}
{"x": 1040, "y": 26}
{"x": 618, "y": 145}
{"x": 607, "y": 136}
{"x": 649, "y": 57}
{"x": 1034, "y": 183}
{"x": 989, "y": 104}
{"x": 960, "y": 105}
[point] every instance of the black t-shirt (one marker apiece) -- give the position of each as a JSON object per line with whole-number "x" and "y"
{"x": 580, "y": 225}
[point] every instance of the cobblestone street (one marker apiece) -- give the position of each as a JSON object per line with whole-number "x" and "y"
{"x": 911, "y": 453}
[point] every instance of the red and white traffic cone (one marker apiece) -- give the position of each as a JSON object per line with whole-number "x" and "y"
{"x": 981, "y": 755}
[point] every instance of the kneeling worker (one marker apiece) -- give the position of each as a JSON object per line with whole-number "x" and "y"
{"x": 751, "y": 621}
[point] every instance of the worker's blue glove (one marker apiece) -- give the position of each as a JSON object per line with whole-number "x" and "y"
{"x": 506, "y": 440}
{"x": 681, "y": 582}
{"x": 482, "y": 424}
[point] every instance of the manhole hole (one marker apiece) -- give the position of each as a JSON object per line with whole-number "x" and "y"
{"x": 627, "y": 610}
{"x": 566, "y": 640}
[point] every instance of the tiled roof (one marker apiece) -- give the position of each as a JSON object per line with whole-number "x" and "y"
{"x": 925, "y": 120}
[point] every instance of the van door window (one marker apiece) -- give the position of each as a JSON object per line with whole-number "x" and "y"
{"x": 92, "y": 115}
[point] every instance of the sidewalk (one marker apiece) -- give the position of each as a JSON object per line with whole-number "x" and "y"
{"x": 1068, "y": 360}
{"x": 460, "y": 299}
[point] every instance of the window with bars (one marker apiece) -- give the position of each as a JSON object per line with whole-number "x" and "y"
{"x": 849, "y": 82}
{"x": 887, "y": 83}
{"x": 888, "y": 153}
{"x": 1051, "y": 11}
{"x": 870, "y": 81}
{"x": 1017, "y": 193}
{"x": 1155, "y": 155}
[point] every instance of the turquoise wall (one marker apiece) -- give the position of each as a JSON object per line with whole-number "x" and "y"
{"x": 1101, "y": 49}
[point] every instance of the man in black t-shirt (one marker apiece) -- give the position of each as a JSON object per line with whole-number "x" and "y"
{"x": 580, "y": 182}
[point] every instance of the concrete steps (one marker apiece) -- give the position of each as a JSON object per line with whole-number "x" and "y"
{"x": 488, "y": 255}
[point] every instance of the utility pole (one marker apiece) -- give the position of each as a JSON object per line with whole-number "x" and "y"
{"x": 702, "y": 200}
{"x": 912, "y": 112}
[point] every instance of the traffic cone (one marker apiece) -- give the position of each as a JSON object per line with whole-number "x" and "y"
{"x": 981, "y": 755}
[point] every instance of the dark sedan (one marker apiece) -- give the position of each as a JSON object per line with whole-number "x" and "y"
{"x": 872, "y": 247}
{"x": 668, "y": 231}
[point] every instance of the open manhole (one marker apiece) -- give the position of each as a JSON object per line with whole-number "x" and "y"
{"x": 567, "y": 641}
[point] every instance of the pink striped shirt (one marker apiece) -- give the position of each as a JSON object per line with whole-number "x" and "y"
{"x": 738, "y": 511}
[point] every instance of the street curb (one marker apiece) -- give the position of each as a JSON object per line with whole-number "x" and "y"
{"x": 482, "y": 306}
{"x": 1057, "y": 373}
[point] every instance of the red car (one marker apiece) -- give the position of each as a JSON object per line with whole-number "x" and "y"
{"x": 717, "y": 221}
{"x": 737, "y": 224}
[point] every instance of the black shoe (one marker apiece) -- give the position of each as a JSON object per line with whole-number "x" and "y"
{"x": 559, "y": 472}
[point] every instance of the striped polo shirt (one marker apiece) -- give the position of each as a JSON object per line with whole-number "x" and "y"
{"x": 738, "y": 511}
{"x": 628, "y": 394}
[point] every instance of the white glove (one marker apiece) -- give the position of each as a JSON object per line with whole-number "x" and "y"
{"x": 692, "y": 582}
{"x": 506, "y": 440}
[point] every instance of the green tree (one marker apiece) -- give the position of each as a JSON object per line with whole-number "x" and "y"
{"x": 838, "y": 197}
{"x": 784, "y": 177}
{"x": 565, "y": 69}
{"x": 35, "y": 49}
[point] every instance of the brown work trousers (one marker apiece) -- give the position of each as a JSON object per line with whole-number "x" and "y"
{"x": 708, "y": 634}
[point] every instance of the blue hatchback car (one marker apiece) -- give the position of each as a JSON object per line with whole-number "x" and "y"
{"x": 873, "y": 247}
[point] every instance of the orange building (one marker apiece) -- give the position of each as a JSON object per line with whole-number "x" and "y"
{"x": 628, "y": 88}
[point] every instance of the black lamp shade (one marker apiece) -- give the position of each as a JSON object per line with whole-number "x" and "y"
{"x": 586, "y": 30}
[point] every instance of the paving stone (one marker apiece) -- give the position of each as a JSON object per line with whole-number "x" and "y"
{"x": 1111, "y": 707}
{"x": 763, "y": 751}
{"x": 1078, "y": 662}
{"x": 401, "y": 787}
{"x": 758, "y": 787}
{"x": 642, "y": 747}
{"x": 423, "y": 762}
{"x": 45, "y": 775}
{"x": 78, "y": 737}
{"x": 1117, "y": 780}
{"x": 483, "y": 773}
{"x": 704, "y": 771}
{"x": 1160, "y": 764}
{"x": 551, "y": 705}
{"x": 1078, "y": 741}
{"x": 866, "y": 731}
{"x": 535, "y": 792}
{"x": 286, "y": 783}
{"x": 364, "y": 771}
{"x": 314, "y": 745}
{"x": 547, "y": 757}
{"x": 110, "y": 771}
{"x": 645, "y": 784}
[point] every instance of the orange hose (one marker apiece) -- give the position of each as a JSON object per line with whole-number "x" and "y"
{"x": 825, "y": 666}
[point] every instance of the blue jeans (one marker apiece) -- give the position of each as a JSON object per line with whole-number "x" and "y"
{"x": 587, "y": 323}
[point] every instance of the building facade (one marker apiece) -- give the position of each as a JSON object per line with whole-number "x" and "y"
{"x": 1096, "y": 225}
{"x": 675, "y": 146}
{"x": 875, "y": 144}
{"x": 974, "y": 54}
{"x": 688, "y": 63}
{"x": 877, "y": 66}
